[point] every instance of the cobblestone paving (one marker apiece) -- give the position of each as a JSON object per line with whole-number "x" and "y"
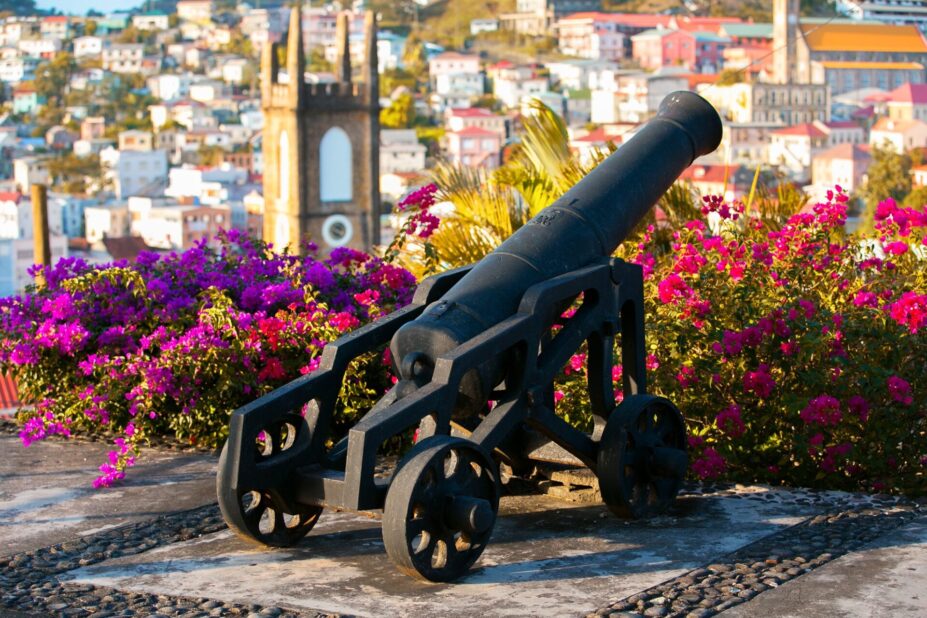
{"x": 29, "y": 580}
{"x": 852, "y": 522}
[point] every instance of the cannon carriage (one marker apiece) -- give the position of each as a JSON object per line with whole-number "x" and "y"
{"x": 476, "y": 353}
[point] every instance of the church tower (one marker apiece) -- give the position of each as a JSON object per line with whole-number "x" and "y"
{"x": 321, "y": 146}
{"x": 785, "y": 33}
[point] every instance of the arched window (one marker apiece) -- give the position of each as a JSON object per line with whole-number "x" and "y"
{"x": 335, "y": 167}
{"x": 284, "y": 167}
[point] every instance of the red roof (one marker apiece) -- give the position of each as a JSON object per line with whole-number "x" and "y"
{"x": 633, "y": 20}
{"x": 708, "y": 173}
{"x": 474, "y": 132}
{"x": 471, "y": 112}
{"x": 502, "y": 64}
{"x": 599, "y": 135}
{"x": 10, "y": 196}
{"x": 856, "y": 152}
{"x": 55, "y": 18}
{"x": 908, "y": 93}
{"x": 806, "y": 129}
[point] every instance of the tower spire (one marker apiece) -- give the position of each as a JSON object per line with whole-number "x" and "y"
{"x": 343, "y": 59}
{"x": 373, "y": 66}
{"x": 268, "y": 71}
{"x": 295, "y": 52}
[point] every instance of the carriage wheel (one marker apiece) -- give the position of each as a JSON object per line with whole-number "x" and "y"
{"x": 258, "y": 516}
{"x": 642, "y": 457}
{"x": 440, "y": 508}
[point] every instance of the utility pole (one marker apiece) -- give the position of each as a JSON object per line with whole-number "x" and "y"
{"x": 40, "y": 240}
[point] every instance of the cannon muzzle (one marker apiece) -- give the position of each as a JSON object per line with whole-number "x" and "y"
{"x": 585, "y": 225}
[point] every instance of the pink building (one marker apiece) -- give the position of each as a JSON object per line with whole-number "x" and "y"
{"x": 474, "y": 147}
{"x": 702, "y": 52}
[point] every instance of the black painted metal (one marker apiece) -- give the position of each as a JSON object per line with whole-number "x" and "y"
{"x": 642, "y": 457}
{"x": 484, "y": 334}
{"x": 440, "y": 508}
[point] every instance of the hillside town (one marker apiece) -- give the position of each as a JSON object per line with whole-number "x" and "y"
{"x": 153, "y": 129}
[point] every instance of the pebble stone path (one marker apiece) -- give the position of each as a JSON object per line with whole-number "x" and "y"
{"x": 30, "y": 582}
{"x": 769, "y": 562}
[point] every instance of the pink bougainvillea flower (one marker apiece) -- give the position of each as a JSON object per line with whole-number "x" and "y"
{"x": 900, "y": 390}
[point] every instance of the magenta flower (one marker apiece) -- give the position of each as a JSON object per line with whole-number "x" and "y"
{"x": 900, "y": 390}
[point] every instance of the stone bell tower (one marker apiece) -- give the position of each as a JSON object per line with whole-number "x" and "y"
{"x": 321, "y": 146}
{"x": 785, "y": 34}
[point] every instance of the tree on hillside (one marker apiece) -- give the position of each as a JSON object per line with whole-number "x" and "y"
{"x": 889, "y": 176}
{"x": 52, "y": 78}
{"x": 19, "y": 7}
{"x": 73, "y": 174}
{"x": 400, "y": 114}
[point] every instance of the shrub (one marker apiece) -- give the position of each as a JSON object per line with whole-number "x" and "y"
{"x": 171, "y": 345}
{"x": 797, "y": 354}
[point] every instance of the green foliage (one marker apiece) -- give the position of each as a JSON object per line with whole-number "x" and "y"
{"x": 210, "y": 156}
{"x": 400, "y": 114}
{"x": 729, "y": 77}
{"x": 52, "y": 77}
{"x": 395, "y": 78}
{"x": 888, "y": 177}
{"x": 73, "y": 174}
{"x": 916, "y": 198}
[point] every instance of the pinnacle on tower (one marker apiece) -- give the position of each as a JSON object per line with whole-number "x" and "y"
{"x": 370, "y": 41}
{"x": 343, "y": 59}
{"x": 295, "y": 51}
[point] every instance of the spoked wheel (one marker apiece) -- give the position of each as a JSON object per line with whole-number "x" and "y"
{"x": 642, "y": 457}
{"x": 258, "y": 516}
{"x": 440, "y": 508}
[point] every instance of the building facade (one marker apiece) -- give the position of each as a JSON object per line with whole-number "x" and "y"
{"x": 320, "y": 147}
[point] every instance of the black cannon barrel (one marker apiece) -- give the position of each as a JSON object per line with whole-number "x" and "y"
{"x": 586, "y": 224}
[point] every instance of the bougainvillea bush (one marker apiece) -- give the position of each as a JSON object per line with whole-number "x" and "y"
{"x": 172, "y": 344}
{"x": 797, "y": 354}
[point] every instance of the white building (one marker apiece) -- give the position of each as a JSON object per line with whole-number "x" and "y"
{"x": 466, "y": 84}
{"x": 511, "y": 86}
{"x": 235, "y": 71}
{"x": 106, "y": 221}
{"x": 207, "y": 90}
{"x": 40, "y": 48}
{"x": 581, "y": 74}
{"x": 88, "y": 46}
{"x": 478, "y": 26}
{"x": 451, "y": 63}
{"x": 170, "y": 86}
{"x": 151, "y": 21}
{"x": 123, "y": 58}
{"x": 16, "y": 70}
{"x": 205, "y": 185}
{"x": 895, "y": 12}
{"x": 134, "y": 172}
{"x": 898, "y": 135}
{"x": 400, "y": 151}
{"x": 17, "y": 252}
{"x": 198, "y": 11}
{"x": 28, "y": 171}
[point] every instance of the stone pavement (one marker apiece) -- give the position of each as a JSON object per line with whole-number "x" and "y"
{"x": 155, "y": 545}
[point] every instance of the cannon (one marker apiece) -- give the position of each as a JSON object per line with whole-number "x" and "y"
{"x": 476, "y": 354}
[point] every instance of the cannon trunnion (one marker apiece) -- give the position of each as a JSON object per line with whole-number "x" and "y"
{"x": 478, "y": 350}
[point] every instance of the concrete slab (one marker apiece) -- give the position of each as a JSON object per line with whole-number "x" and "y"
{"x": 47, "y": 497}
{"x": 546, "y": 557}
{"x": 886, "y": 578}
